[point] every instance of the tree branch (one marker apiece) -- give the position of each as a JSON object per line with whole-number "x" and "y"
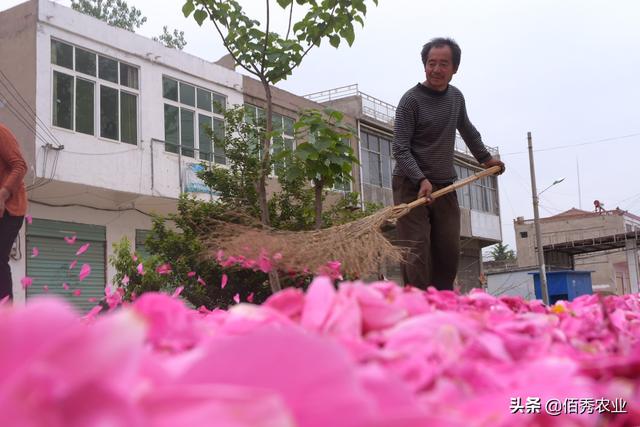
{"x": 224, "y": 42}
{"x": 290, "y": 18}
{"x": 266, "y": 41}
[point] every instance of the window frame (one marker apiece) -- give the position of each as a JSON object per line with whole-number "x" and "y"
{"x": 97, "y": 83}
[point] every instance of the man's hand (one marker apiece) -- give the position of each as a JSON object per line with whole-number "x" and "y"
{"x": 4, "y": 195}
{"x": 494, "y": 162}
{"x": 425, "y": 190}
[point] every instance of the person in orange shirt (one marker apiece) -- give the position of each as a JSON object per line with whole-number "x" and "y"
{"x": 13, "y": 203}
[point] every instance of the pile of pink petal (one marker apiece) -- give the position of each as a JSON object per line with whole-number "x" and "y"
{"x": 375, "y": 355}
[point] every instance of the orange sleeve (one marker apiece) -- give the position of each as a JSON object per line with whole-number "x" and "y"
{"x": 12, "y": 158}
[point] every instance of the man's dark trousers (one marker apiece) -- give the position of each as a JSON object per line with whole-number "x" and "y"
{"x": 9, "y": 228}
{"x": 432, "y": 236}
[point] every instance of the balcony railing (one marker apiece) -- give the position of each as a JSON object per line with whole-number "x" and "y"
{"x": 376, "y": 109}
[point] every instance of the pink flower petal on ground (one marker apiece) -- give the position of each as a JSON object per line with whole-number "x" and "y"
{"x": 65, "y": 286}
{"x": 82, "y": 249}
{"x": 177, "y": 292}
{"x": 163, "y": 269}
{"x": 73, "y": 264}
{"x": 202, "y": 282}
{"x": 84, "y": 272}
{"x": 92, "y": 299}
{"x": 236, "y": 298}
{"x": 35, "y": 252}
{"x": 26, "y": 281}
{"x": 225, "y": 279}
{"x": 140, "y": 269}
{"x": 191, "y": 274}
{"x": 28, "y": 218}
{"x": 77, "y": 292}
{"x": 70, "y": 240}
{"x": 250, "y": 297}
{"x": 93, "y": 313}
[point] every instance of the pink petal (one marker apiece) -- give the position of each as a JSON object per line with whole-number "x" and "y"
{"x": 65, "y": 286}
{"x": 250, "y": 297}
{"x": 140, "y": 269}
{"x": 236, "y": 298}
{"x": 82, "y": 249}
{"x": 92, "y": 299}
{"x": 70, "y": 240}
{"x": 134, "y": 257}
{"x": 45, "y": 288}
{"x": 84, "y": 272}
{"x": 125, "y": 280}
{"x": 224, "y": 280}
{"x": 202, "y": 282}
{"x": 177, "y": 292}
{"x": 191, "y": 274}
{"x": 26, "y": 282}
{"x": 35, "y": 252}
{"x": 73, "y": 264}
{"x": 28, "y": 218}
{"x": 77, "y": 292}
{"x": 93, "y": 312}
{"x": 163, "y": 269}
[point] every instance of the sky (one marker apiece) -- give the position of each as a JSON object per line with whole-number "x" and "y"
{"x": 568, "y": 71}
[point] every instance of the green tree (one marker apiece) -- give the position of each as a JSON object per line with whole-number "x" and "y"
{"x": 272, "y": 57}
{"x": 117, "y": 13}
{"x": 173, "y": 40}
{"x": 114, "y": 12}
{"x": 325, "y": 157}
{"x": 501, "y": 252}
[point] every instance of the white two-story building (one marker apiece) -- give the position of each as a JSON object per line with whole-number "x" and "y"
{"x": 100, "y": 113}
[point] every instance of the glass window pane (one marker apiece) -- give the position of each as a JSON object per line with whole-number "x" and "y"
{"x": 249, "y": 114}
{"x": 205, "y": 125}
{"x": 262, "y": 118}
{"x": 204, "y": 99}
{"x": 386, "y": 170}
{"x": 218, "y": 149}
{"x": 108, "y": 112}
{"x": 187, "y": 94}
{"x": 374, "y": 144}
{"x": 374, "y": 169}
{"x": 288, "y": 126}
{"x": 171, "y": 128}
{"x": 169, "y": 88}
{"x": 364, "y": 140}
{"x": 219, "y": 103}
{"x": 128, "y": 76}
{"x": 62, "y": 54}
{"x": 187, "y": 136}
{"x": 108, "y": 69}
{"x": 277, "y": 122}
{"x": 62, "y": 100}
{"x": 84, "y": 106}
{"x": 128, "y": 118}
{"x": 85, "y": 62}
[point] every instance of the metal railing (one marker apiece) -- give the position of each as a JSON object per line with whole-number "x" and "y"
{"x": 377, "y": 109}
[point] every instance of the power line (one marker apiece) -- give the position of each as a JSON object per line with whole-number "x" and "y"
{"x": 580, "y": 144}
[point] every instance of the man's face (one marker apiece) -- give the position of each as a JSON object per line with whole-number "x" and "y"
{"x": 439, "y": 68}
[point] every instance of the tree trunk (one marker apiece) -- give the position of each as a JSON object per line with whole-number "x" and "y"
{"x": 319, "y": 185}
{"x": 265, "y": 167}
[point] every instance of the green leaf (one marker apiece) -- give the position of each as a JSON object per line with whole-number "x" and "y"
{"x": 349, "y": 34}
{"x": 334, "y": 40}
{"x": 284, "y": 3}
{"x": 188, "y": 8}
{"x": 200, "y": 15}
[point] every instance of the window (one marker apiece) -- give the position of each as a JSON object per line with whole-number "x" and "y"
{"x": 190, "y": 114}
{"x": 524, "y": 234}
{"x": 282, "y": 124}
{"x": 88, "y": 87}
{"x": 376, "y": 159}
{"x": 480, "y": 195}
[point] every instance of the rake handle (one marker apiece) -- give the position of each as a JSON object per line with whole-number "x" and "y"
{"x": 461, "y": 183}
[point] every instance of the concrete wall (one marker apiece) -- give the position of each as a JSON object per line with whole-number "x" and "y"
{"x": 512, "y": 283}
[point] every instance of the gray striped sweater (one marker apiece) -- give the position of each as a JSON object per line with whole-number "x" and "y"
{"x": 425, "y": 132}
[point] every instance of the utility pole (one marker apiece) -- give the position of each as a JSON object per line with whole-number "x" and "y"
{"x": 536, "y": 219}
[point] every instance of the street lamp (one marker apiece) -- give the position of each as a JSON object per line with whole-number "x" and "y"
{"x": 557, "y": 181}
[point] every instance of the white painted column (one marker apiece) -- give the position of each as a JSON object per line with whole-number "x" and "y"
{"x": 631, "y": 247}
